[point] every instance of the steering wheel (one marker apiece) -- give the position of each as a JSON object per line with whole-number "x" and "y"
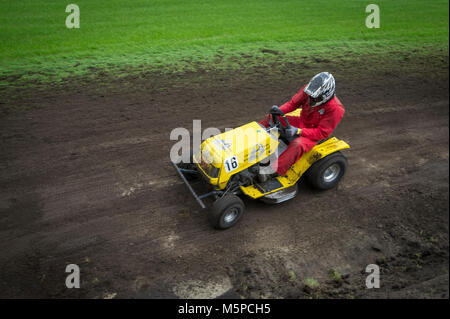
{"x": 274, "y": 122}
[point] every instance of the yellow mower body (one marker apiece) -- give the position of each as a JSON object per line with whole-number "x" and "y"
{"x": 234, "y": 163}
{"x": 224, "y": 155}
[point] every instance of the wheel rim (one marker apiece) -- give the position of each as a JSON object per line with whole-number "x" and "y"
{"x": 331, "y": 173}
{"x": 231, "y": 215}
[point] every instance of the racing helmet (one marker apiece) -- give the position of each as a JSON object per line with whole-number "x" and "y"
{"x": 320, "y": 89}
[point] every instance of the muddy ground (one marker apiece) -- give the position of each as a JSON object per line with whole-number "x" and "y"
{"x": 85, "y": 178}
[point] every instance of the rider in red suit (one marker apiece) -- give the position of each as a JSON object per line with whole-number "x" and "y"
{"x": 321, "y": 113}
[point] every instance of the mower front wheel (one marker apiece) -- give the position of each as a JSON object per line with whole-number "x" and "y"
{"x": 226, "y": 211}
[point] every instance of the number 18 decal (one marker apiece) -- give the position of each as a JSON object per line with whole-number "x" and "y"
{"x": 231, "y": 164}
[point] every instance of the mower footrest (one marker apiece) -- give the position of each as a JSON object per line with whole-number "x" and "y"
{"x": 270, "y": 185}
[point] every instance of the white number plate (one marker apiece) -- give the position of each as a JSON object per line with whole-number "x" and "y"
{"x": 231, "y": 164}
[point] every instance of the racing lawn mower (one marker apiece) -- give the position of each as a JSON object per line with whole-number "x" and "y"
{"x": 231, "y": 163}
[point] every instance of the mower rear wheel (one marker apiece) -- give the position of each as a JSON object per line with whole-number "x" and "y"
{"x": 328, "y": 171}
{"x": 226, "y": 211}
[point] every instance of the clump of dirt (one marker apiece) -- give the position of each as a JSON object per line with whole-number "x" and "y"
{"x": 409, "y": 274}
{"x": 412, "y": 273}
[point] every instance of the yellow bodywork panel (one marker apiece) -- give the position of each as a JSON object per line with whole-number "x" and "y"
{"x": 301, "y": 166}
{"x": 254, "y": 192}
{"x": 295, "y": 112}
{"x": 234, "y": 151}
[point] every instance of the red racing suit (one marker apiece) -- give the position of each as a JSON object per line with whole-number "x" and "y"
{"x": 316, "y": 123}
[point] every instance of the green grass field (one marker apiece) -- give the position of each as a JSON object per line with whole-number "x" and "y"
{"x": 180, "y": 35}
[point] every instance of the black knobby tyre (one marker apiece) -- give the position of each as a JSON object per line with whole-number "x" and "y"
{"x": 328, "y": 171}
{"x": 226, "y": 211}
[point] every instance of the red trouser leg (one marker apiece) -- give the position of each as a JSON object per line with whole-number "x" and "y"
{"x": 295, "y": 149}
{"x": 292, "y": 154}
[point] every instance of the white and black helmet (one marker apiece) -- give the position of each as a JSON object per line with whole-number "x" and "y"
{"x": 320, "y": 89}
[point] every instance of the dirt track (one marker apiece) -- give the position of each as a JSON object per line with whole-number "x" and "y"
{"x": 86, "y": 179}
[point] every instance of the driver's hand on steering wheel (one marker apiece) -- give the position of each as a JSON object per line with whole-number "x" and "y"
{"x": 291, "y": 131}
